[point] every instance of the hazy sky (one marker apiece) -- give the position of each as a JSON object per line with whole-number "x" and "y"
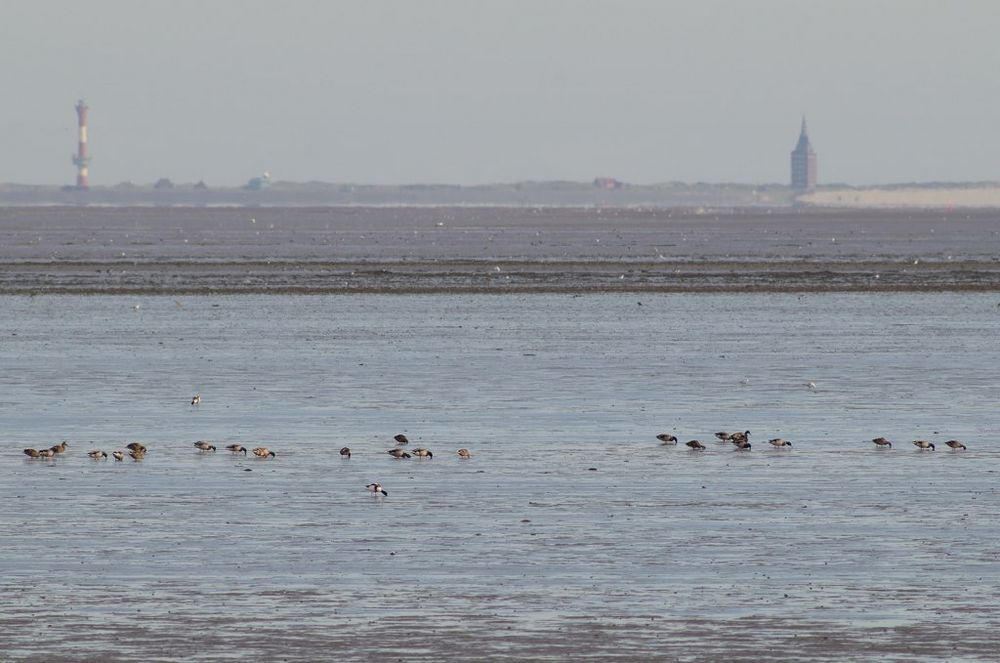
{"x": 469, "y": 91}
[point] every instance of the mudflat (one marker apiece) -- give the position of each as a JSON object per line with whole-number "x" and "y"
{"x": 570, "y": 534}
{"x": 192, "y": 250}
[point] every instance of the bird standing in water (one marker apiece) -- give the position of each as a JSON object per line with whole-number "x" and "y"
{"x": 740, "y": 438}
{"x": 375, "y": 488}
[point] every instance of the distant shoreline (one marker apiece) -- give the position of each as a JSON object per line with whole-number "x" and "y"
{"x": 985, "y": 195}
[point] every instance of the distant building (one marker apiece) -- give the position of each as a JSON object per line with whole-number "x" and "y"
{"x": 607, "y": 183}
{"x": 804, "y": 163}
{"x": 258, "y": 183}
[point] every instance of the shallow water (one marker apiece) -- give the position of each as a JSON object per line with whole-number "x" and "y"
{"x": 831, "y": 549}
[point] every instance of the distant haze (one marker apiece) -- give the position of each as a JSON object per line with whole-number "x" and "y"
{"x": 488, "y": 91}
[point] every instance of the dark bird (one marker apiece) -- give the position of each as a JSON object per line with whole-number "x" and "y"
{"x": 46, "y": 453}
{"x": 464, "y": 453}
{"x": 135, "y": 446}
{"x": 398, "y": 453}
{"x": 882, "y": 442}
{"x": 423, "y": 453}
{"x": 345, "y": 452}
{"x": 955, "y": 444}
{"x": 60, "y": 448}
{"x": 237, "y": 448}
{"x": 742, "y": 444}
{"x": 204, "y": 446}
{"x": 401, "y": 439}
{"x": 695, "y": 444}
{"x": 263, "y": 452}
{"x": 118, "y": 455}
{"x": 33, "y": 453}
{"x": 924, "y": 444}
{"x": 196, "y": 400}
{"x": 778, "y": 442}
{"x": 374, "y": 488}
{"x": 666, "y": 438}
{"x": 137, "y": 454}
{"x": 737, "y": 438}
{"x": 98, "y": 455}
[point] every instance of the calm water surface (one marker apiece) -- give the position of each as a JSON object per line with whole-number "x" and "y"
{"x": 570, "y": 534}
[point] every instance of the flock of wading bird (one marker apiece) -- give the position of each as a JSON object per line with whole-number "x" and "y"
{"x": 137, "y": 451}
{"x": 742, "y": 442}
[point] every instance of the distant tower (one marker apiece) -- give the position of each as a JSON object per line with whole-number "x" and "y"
{"x": 81, "y": 159}
{"x": 804, "y": 163}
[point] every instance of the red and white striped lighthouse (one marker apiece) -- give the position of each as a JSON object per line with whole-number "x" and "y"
{"x": 81, "y": 159}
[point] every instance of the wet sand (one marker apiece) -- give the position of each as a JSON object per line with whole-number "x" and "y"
{"x": 831, "y": 550}
{"x": 473, "y": 250}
